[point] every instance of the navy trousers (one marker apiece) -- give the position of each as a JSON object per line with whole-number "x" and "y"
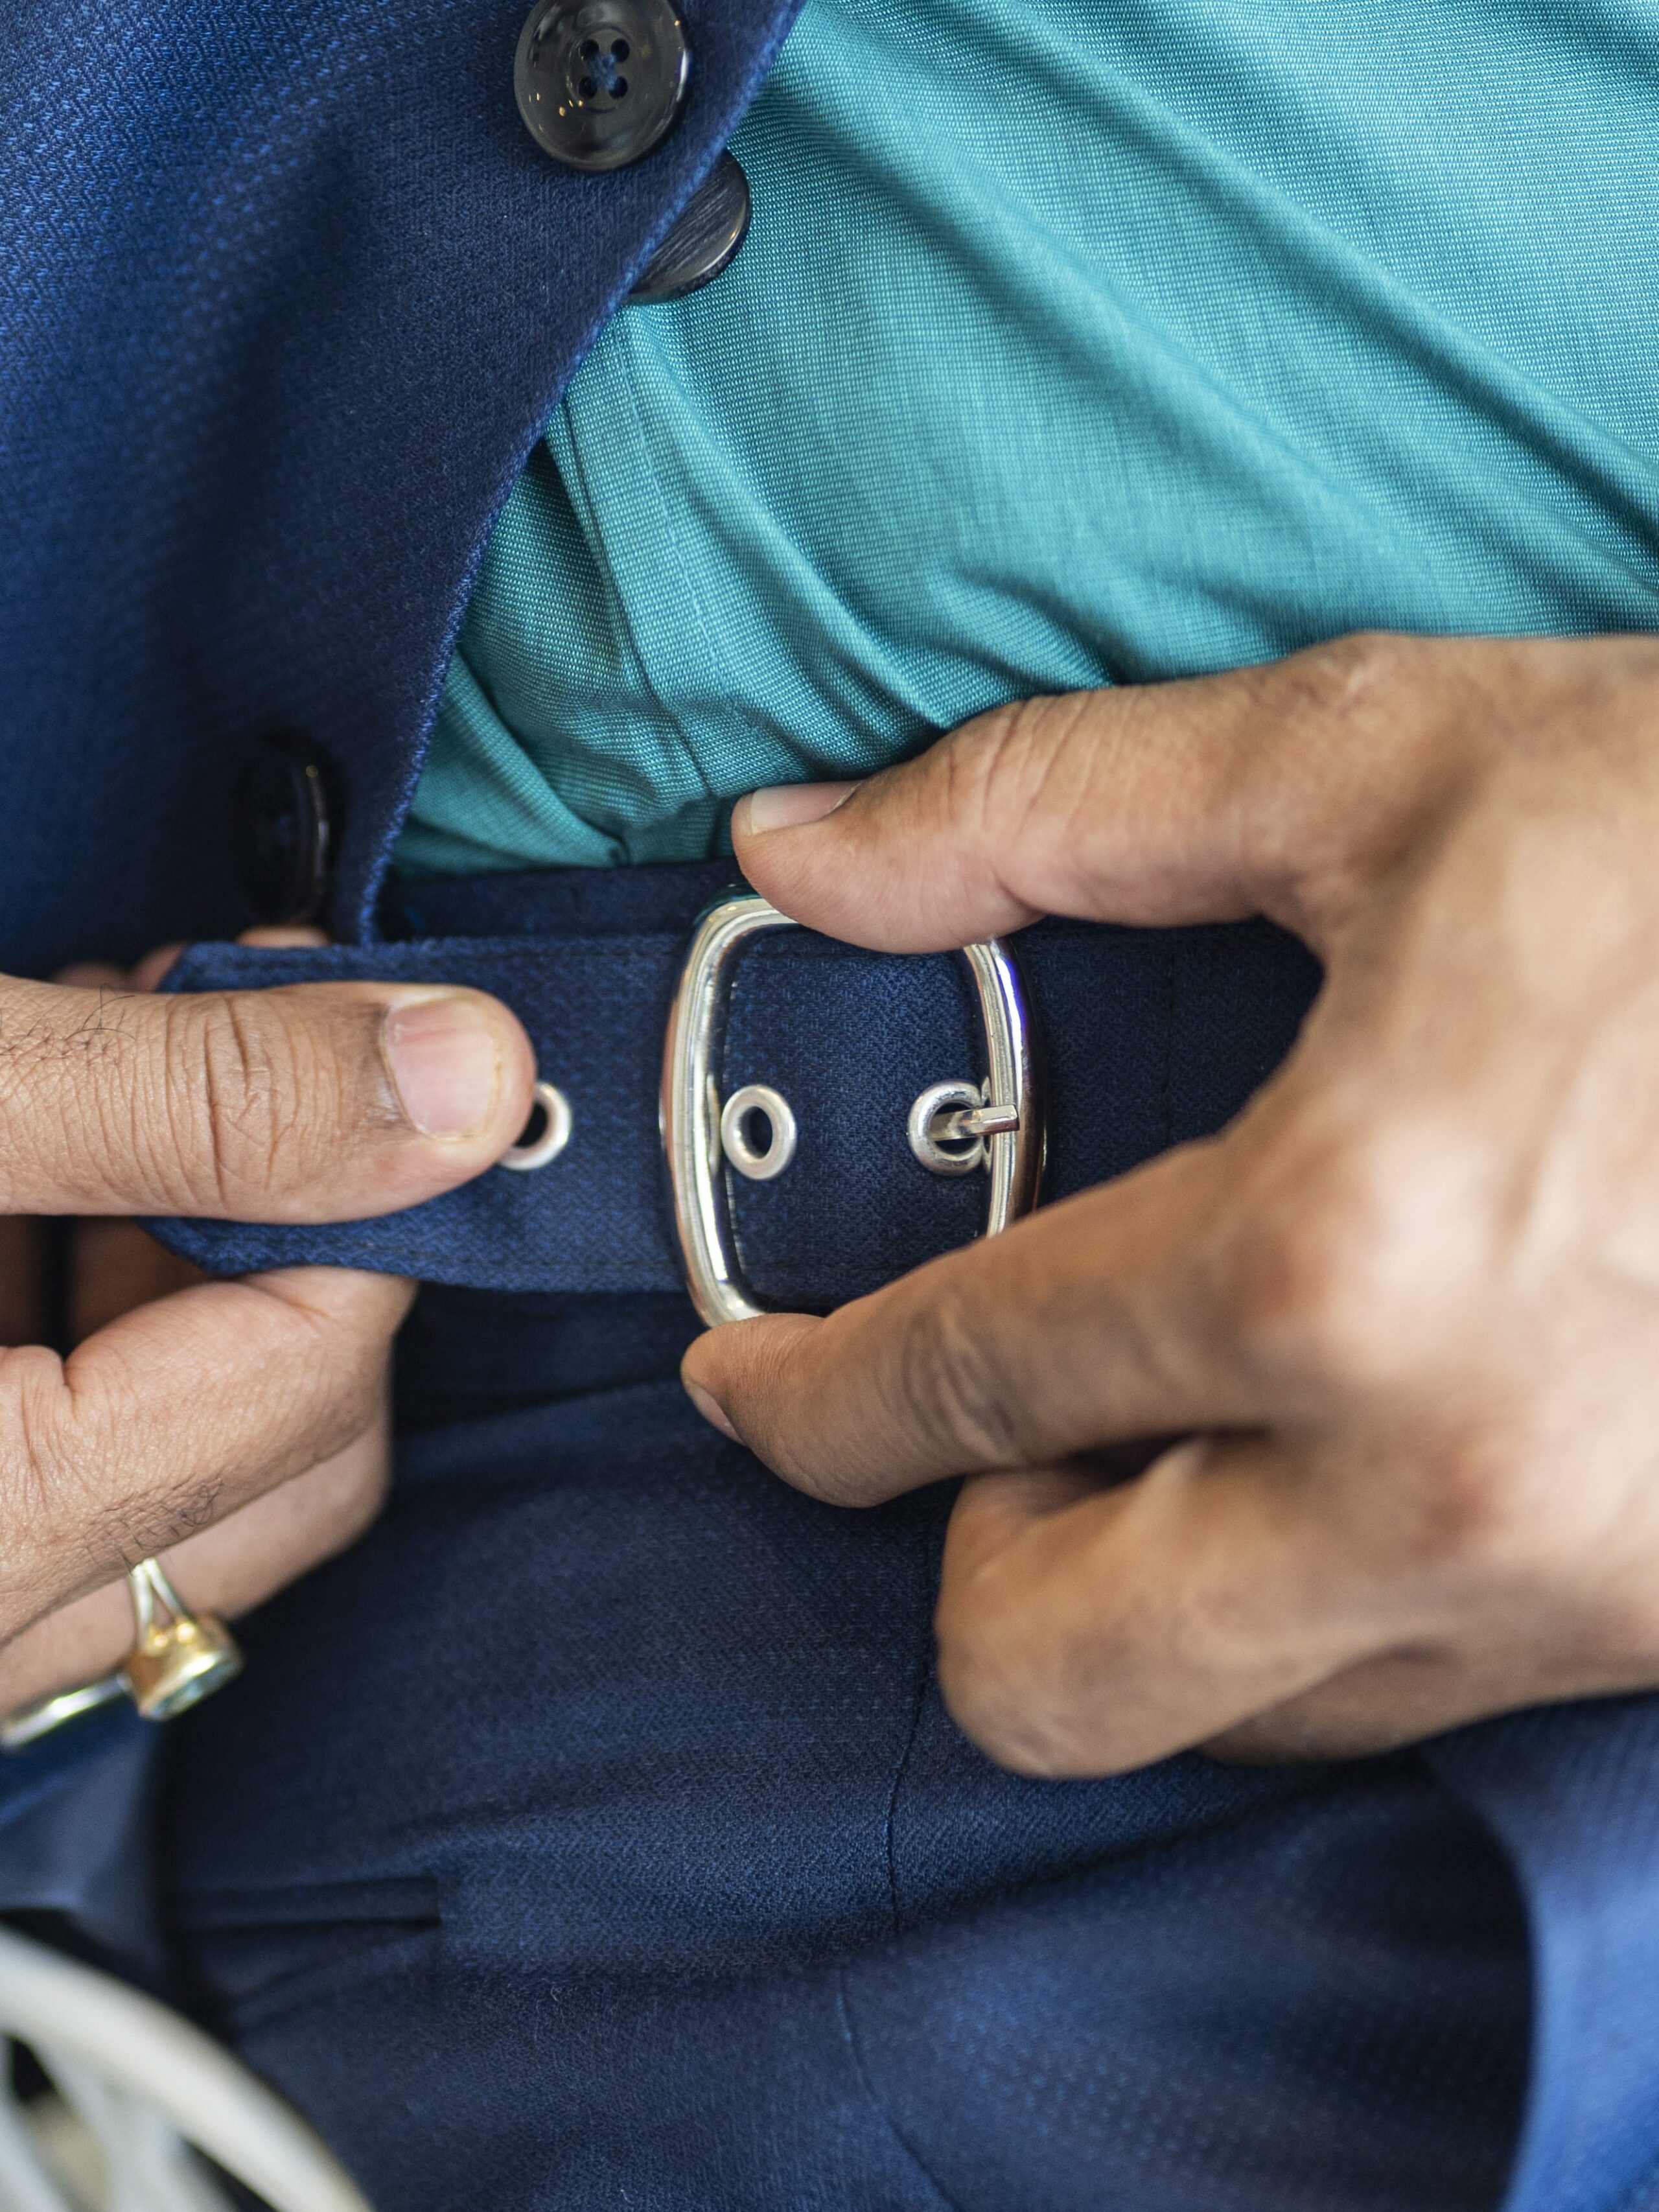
{"x": 594, "y": 1834}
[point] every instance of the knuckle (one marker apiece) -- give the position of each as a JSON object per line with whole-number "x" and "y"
{"x": 1331, "y": 718}
{"x": 1484, "y": 1531}
{"x": 986, "y": 1679}
{"x": 1016, "y": 763}
{"x": 1510, "y": 1496}
{"x": 1348, "y": 680}
{"x": 39, "y": 1477}
{"x": 66, "y": 1462}
{"x": 1307, "y": 1308}
{"x": 247, "y": 1100}
{"x": 1474, "y": 1514}
{"x": 98, "y": 1471}
{"x": 1347, "y": 1270}
{"x": 248, "y": 1087}
{"x": 1015, "y": 1685}
{"x": 970, "y": 775}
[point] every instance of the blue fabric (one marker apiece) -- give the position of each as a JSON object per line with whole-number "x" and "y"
{"x": 1150, "y": 1037}
{"x": 1571, "y": 1793}
{"x": 76, "y": 1814}
{"x": 287, "y": 295}
{"x": 1070, "y": 345}
{"x": 594, "y": 1835}
{"x": 592, "y": 1830}
{"x": 245, "y": 256}
{"x": 641, "y": 1770}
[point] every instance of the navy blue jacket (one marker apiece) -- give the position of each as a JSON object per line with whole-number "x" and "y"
{"x": 287, "y": 295}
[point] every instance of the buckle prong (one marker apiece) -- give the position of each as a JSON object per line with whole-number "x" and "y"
{"x": 980, "y": 1121}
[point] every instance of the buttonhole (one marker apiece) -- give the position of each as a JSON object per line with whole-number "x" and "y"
{"x": 533, "y": 1130}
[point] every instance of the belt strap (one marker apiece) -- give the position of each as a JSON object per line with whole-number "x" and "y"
{"x": 1150, "y": 1036}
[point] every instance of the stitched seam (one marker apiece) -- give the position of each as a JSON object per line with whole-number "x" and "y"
{"x": 899, "y": 1772}
{"x": 878, "y": 2104}
{"x": 433, "y": 956}
{"x": 403, "y": 960}
{"x": 924, "y": 1671}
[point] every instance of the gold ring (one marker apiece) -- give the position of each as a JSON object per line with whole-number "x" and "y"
{"x": 178, "y": 1658}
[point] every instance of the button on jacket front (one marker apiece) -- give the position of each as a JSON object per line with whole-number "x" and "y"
{"x": 599, "y": 82}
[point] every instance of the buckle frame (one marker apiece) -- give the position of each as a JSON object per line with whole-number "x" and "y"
{"x": 691, "y": 1109}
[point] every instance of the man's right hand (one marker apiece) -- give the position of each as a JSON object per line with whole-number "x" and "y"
{"x": 237, "y": 1427}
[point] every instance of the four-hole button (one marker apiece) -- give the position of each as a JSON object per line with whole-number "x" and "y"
{"x": 599, "y": 82}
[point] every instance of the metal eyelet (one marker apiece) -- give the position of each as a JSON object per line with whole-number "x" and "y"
{"x": 555, "y": 1132}
{"x": 757, "y": 1098}
{"x": 951, "y": 1124}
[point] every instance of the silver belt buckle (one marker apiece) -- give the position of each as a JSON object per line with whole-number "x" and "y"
{"x": 952, "y": 1128}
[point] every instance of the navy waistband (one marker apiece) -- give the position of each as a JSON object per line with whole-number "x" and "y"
{"x": 1150, "y": 1037}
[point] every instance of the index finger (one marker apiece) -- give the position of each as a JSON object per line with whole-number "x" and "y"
{"x": 1085, "y": 1631}
{"x": 173, "y": 1416}
{"x": 1102, "y": 1319}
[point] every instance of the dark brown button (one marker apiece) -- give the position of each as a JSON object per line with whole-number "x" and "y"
{"x": 705, "y": 240}
{"x": 284, "y": 831}
{"x": 599, "y": 82}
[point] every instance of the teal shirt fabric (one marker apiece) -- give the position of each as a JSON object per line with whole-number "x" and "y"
{"x": 1082, "y": 344}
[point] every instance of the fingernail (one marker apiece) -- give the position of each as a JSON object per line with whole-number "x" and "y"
{"x": 792, "y": 805}
{"x": 712, "y": 1411}
{"x": 445, "y": 1060}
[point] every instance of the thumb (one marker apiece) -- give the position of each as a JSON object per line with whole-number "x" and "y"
{"x": 1108, "y": 805}
{"x": 319, "y": 1102}
{"x": 1204, "y": 800}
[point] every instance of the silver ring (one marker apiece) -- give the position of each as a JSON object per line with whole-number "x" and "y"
{"x": 178, "y": 1658}
{"x": 758, "y": 1098}
{"x": 555, "y": 1106}
{"x": 935, "y": 1106}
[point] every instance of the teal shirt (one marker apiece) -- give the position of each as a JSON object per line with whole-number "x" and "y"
{"x": 1076, "y": 344}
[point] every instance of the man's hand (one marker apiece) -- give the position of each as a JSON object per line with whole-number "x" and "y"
{"x": 1403, "y": 1313}
{"x": 238, "y": 1428}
